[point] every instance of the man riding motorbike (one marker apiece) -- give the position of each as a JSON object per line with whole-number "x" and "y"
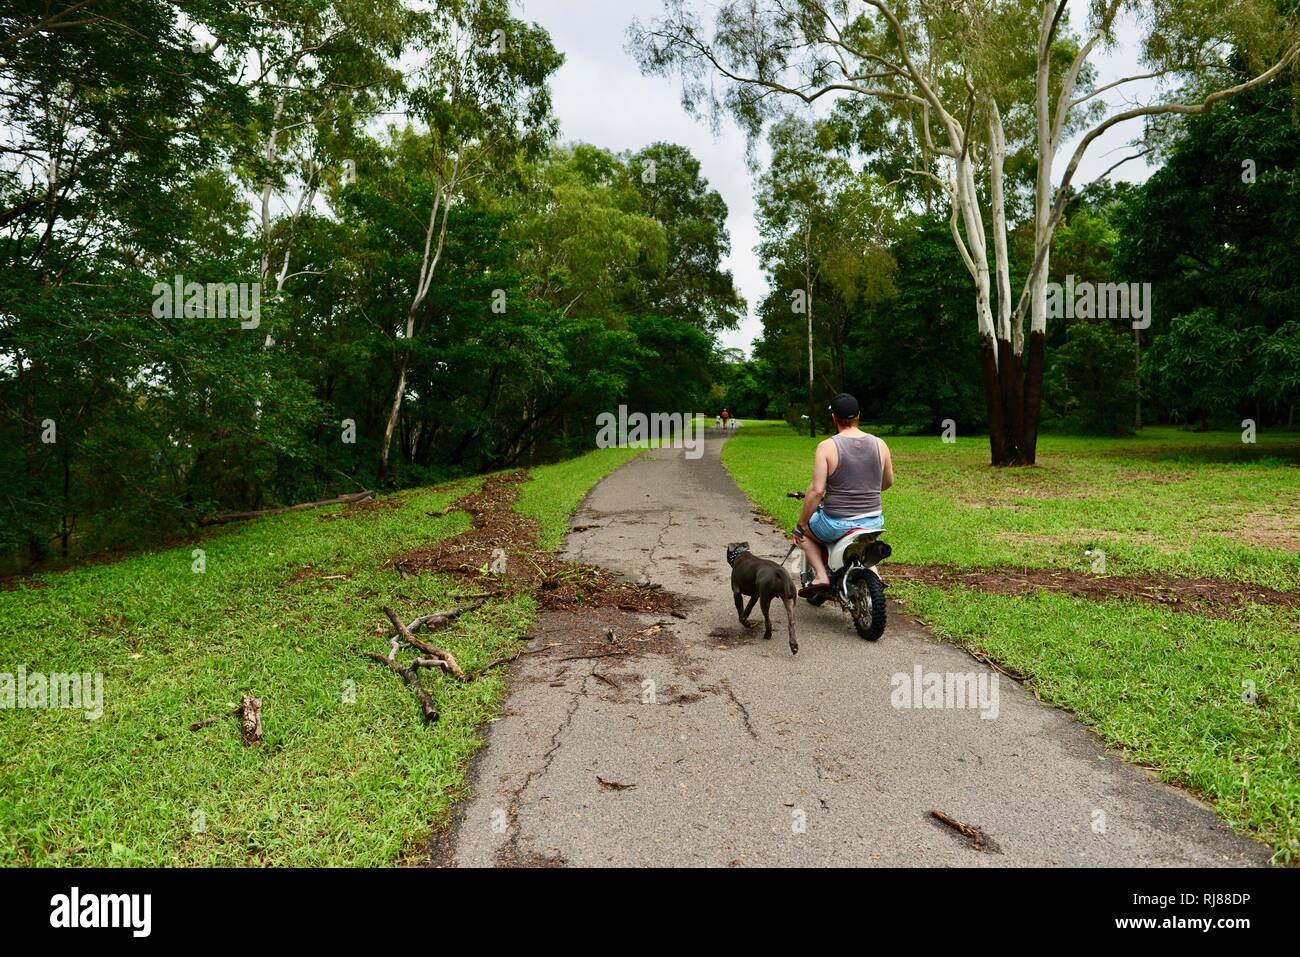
{"x": 850, "y": 470}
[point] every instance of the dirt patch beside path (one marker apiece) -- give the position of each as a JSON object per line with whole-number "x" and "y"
{"x": 558, "y": 584}
{"x": 1202, "y": 595}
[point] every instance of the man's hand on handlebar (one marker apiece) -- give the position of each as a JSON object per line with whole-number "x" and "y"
{"x": 798, "y": 533}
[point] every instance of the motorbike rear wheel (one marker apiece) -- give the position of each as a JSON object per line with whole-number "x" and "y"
{"x": 867, "y": 602}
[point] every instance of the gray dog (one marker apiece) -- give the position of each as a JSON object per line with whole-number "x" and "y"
{"x": 760, "y": 580}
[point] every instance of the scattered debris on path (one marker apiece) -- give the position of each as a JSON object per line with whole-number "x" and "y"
{"x": 608, "y": 644}
{"x": 500, "y": 552}
{"x": 1201, "y": 595}
{"x": 500, "y": 555}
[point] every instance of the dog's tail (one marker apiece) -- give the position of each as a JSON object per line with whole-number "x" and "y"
{"x": 789, "y": 617}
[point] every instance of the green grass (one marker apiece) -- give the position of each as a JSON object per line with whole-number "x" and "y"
{"x": 557, "y": 490}
{"x": 334, "y": 783}
{"x": 1164, "y": 686}
{"x": 1165, "y": 501}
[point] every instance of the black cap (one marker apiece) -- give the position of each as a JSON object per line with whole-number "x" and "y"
{"x": 844, "y": 407}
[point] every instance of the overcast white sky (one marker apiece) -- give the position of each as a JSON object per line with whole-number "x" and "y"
{"x": 602, "y": 98}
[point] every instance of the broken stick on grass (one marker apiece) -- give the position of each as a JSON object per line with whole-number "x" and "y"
{"x": 412, "y": 678}
{"x": 496, "y": 663}
{"x": 232, "y": 713}
{"x": 435, "y": 620}
{"x": 506, "y": 659}
{"x": 447, "y": 659}
{"x": 301, "y": 506}
{"x": 250, "y": 713}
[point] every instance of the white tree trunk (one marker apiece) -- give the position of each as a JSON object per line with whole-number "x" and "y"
{"x": 973, "y": 220}
{"x": 428, "y": 264}
{"x": 997, "y": 158}
{"x": 1043, "y": 231}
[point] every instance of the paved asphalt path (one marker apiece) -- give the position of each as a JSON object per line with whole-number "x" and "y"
{"x": 747, "y": 756}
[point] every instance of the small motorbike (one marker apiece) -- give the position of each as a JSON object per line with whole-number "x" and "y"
{"x": 858, "y": 589}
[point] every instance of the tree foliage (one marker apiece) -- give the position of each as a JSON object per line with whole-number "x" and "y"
{"x": 324, "y": 153}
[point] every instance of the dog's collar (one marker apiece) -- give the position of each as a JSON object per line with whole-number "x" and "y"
{"x": 737, "y": 553}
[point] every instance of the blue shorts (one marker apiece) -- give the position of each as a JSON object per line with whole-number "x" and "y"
{"x": 828, "y": 529}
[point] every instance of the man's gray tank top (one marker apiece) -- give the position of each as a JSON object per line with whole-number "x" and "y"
{"x": 853, "y": 489}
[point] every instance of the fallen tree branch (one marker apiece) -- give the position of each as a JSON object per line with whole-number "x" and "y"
{"x": 413, "y": 679}
{"x": 232, "y": 713}
{"x": 300, "y": 507}
{"x": 973, "y": 834}
{"x": 506, "y": 659}
{"x": 986, "y": 660}
{"x": 435, "y": 620}
{"x": 441, "y": 654}
{"x": 496, "y": 663}
{"x": 250, "y": 713}
{"x": 433, "y": 651}
{"x": 438, "y": 663}
{"x": 622, "y": 652}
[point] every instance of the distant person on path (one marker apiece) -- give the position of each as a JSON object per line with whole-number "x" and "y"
{"x": 850, "y": 470}
{"x": 726, "y": 418}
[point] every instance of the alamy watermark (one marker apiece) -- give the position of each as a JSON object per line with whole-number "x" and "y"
{"x": 82, "y": 692}
{"x": 179, "y": 299}
{"x": 75, "y": 909}
{"x": 946, "y": 690}
{"x": 1103, "y": 300}
{"x": 677, "y": 430}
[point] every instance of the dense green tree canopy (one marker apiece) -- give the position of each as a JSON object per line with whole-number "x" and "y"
{"x": 410, "y": 229}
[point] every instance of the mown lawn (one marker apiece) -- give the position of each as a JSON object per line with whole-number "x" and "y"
{"x": 1171, "y": 501}
{"x": 557, "y": 490}
{"x": 1169, "y": 688}
{"x": 348, "y": 774}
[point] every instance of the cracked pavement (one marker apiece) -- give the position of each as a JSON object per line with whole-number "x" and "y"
{"x": 718, "y": 748}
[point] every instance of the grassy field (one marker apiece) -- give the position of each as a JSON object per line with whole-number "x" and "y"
{"x": 1166, "y": 687}
{"x": 557, "y": 490}
{"x": 1165, "y": 501}
{"x": 348, "y": 774}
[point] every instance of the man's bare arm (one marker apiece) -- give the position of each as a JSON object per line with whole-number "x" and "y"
{"x": 817, "y": 488}
{"x": 886, "y": 466}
